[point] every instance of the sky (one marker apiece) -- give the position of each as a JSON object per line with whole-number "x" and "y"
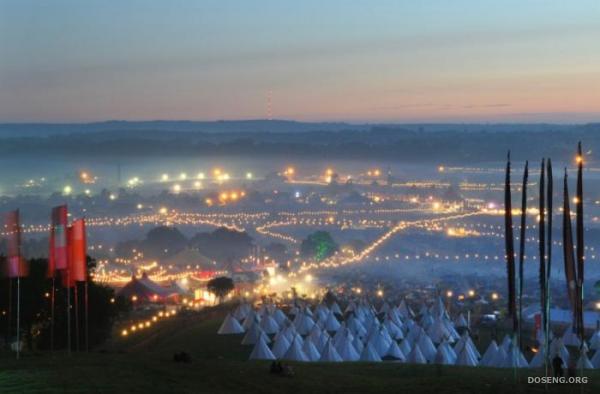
{"x": 310, "y": 60}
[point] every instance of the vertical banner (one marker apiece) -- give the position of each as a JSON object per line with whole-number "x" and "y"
{"x": 16, "y": 266}
{"x": 78, "y": 251}
{"x": 59, "y": 244}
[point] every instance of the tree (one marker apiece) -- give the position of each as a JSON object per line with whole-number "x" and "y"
{"x": 220, "y": 286}
{"x": 318, "y": 245}
{"x": 223, "y": 244}
{"x": 164, "y": 238}
{"x": 36, "y": 290}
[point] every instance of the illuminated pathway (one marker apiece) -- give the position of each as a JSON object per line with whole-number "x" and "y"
{"x": 336, "y": 261}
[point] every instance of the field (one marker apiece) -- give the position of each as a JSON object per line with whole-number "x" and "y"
{"x": 143, "y": 363}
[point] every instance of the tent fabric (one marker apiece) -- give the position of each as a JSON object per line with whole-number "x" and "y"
{"x": 261, "y": 351}
{"x": 230, "y": 326}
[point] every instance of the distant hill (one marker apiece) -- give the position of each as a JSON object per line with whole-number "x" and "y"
{"x": 448, "y": 143}
{"x": 11, "y": 130}
{"x": 221, "y": 126}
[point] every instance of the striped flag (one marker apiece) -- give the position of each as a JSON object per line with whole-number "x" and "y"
{"x": 59, "y": 254}
{"x": 15, "y": 264}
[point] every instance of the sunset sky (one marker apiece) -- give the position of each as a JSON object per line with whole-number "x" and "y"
{"x": 388, "y": 61}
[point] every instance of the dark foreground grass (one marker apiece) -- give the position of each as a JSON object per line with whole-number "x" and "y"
{"x": 142, "y": 363}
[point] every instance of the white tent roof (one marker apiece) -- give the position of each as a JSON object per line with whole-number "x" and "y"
{"x": 514, "y": 358}
{"x": 269, "y": 325}
{"x": 242, "y": 311}
{"x": 438, "y": 309}
{"x": 335, "y": 308}
{"x": 355, "y": 326}
{"x": 315, "y": 332}
{"x": 250, "y": 319}
{"x": 427, "y": 347}
{"x": 303, "y": 323}
{"x": 369, "y": 354}
{"x": 442, "y": 356}
{"x": 460, "y": 321}
{"x": 557, "y": 346}
{"x": 426, "y": 321}
{"x": 466, "y": 358}
{"x": 280, "y": 317}
{"x": 405, "y": 310}
{"x": 538, "y": 359}
{"x": 465, "y": 340}
{"x": 384, "y": 308}
{"x": 331, "y": 323}
{"x": 346, "y": 350}
{"x": 499, "y": 358}
{"x": 416, "y": 356}
{"x": 405, "y": 346}
{"x": 280, "y": 346}
{"x": 506, "y": 342}
{"x": 395, "y": 352}
{"x": 394, "y": 330}
{"x": 320, "y": 343}
{"x": 261, "y": 351}
{"x": 595, "y": 340}
{"x": 230, "y": 326}
{"x": 253, "y": 334}
{"x": 437, "y": 331}
{"x": 310, "y": 350}
{"x": 489, "y": 354}
{"x": 341, "y": 336}
{"x": 596, "y": 359}
{"x": 329, "y": 353}
{"x": 358, "y": 345}
{"x": 584, "y": 362}
{"x": 295, "y": 352}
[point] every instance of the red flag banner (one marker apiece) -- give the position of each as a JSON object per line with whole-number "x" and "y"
{"x": 16, "y": 265}
{"x": 77, "y": 241}
{"x": 66, "y": 275}
{"x": 59, "y": 246}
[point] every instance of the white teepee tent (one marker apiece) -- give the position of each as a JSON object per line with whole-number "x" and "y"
{"x": 280, "y": 346}
{"x": 466, "y": 358}
{"x": 230, "y": 326}
{"x": 310, "y": 350}
{"x": 369, "y": 354}
{"x": 329, "y": 354}
{"x": 394, "y": 352}
{"x": 346, "y": 350}
{"x": 416, "y": 356}
{"x": 489, "y": 354}
{"x": 295, "y": 352}
{"x": 261, "y": 351}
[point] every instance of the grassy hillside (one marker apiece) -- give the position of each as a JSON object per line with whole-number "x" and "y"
{"x": 142, "y": 363}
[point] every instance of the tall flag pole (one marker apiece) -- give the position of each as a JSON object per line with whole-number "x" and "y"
{"x": 510, "y": 259}
{"x": 580, "y": 245}
{"x": 510, "y": 246}
{"x": 549, "y": 196}
{"x": 16, "y": 264}
{"x": 60, "y": 255}
{"x": 522, "y": 244}
{"x": 542, "y": 240}
{"x": 71, "y": 283}
{"x": 87, "y": 329}
{"x": 10, "y": 294}
{"x": 77, "y": 266}
{"x": 52, "y": 275}
{"x": 569, "y": 251}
